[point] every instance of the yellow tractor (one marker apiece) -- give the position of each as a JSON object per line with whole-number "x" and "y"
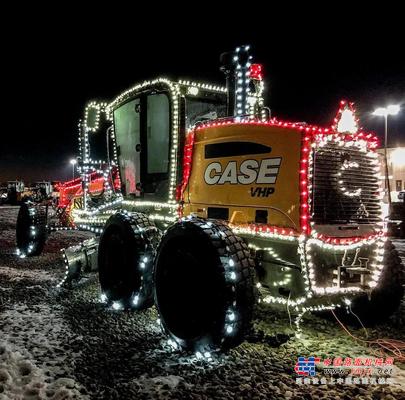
{"x": 203, "y": 204}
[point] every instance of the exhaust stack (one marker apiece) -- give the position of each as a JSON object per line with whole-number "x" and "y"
{"x": 244, "y": 83}
{"x": 236, "y": 67}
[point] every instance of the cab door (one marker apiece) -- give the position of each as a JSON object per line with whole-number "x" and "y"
{"x": 127, "y": 125}
{"x": 155, "y": 147}
{"x": 142, "y": 130}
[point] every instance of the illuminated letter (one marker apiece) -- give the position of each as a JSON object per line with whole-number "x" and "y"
{"x": 248, "y": 171}
{"x": 212, "y": 180}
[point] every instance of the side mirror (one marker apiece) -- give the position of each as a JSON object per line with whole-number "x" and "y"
{"x": 96, "y": 132}
{"x": 92, "y": 118}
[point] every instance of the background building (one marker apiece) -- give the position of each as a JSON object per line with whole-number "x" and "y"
{"x": 396, "y": 171}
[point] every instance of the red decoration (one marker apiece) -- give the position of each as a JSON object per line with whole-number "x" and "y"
{"x": 304, "y": 189}
{"x": 347, "y": 240}
{"x": 187, "y": 162}
{"x": 271, "y": 229}
{"x": 371, "y": 139}
{"x": 310, "y": 134}
{"x": 256, "y": 72}
{"x": 72, "y": 189}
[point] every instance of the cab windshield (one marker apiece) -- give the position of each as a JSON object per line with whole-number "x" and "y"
{"x": 201, "y": 110}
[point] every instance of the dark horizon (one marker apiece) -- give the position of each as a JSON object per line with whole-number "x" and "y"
{"x": 307, "y": 73}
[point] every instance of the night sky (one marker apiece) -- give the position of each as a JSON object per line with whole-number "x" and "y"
{"x": 56, "y": 64}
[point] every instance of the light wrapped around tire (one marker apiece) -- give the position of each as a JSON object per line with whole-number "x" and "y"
{"x": 204, "y": 286}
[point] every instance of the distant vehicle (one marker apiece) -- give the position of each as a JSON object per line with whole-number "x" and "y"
{"x": 15, "y": 190}
{"x": 396, "y": 220}
{"x": 42, "y": 191}
{"x": 55, "y": 192}
{"x": 3, "y": 195}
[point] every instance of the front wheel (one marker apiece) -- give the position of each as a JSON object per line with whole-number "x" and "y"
{"x": 125, "y": 261}
{"x": 204, "y": 285}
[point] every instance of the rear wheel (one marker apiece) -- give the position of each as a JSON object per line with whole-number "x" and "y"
{"x": 31, "y": 230}
{"x": 204, "y": 285}
{"x": 125, "y": 260}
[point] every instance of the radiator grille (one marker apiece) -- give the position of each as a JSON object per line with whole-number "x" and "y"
{"x": 330, "y": 204}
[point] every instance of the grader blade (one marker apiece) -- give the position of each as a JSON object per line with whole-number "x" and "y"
{"x": 79, "y": 259}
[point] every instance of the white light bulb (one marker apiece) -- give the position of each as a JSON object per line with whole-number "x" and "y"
{"x": 393, "y": 109}
{"x": 381, "y": 111}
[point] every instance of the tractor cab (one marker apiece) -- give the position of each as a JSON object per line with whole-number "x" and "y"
{"x": 17, "y": 186}
{"x": 146, "y": 126}
{"x": 15, "y": 190}
{"x": 142, "y": 132}
{"x": 43, "y": 189}
{"x": 149, "y": 128}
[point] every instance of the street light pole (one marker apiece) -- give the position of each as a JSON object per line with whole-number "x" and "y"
{"x": 384, "y": 112}
{"x": 387, "y": 178}
{"x": 73, "y": 162}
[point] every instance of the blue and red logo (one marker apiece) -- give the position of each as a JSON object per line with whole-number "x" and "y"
{"x": 306, "y": 366}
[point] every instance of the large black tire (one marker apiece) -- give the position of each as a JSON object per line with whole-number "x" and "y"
{"x": 31, "y": 230}
{"x": 125, "y": 260}
{"x": 386, "y": 297}
{"x": 204, "y": 285}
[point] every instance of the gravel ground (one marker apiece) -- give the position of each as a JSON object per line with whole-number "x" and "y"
{"x": 65, "y": 345}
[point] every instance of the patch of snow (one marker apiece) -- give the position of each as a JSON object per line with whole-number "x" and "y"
{"x": 157, "y": 383}
{"x": 20, "y": 327}
{"x": 22, "y": 379}
{"x": 40, "y": 333}
{"x": 16, "y": 275}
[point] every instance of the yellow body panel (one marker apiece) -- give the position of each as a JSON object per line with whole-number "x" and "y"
{"x": 245, "y": 183}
